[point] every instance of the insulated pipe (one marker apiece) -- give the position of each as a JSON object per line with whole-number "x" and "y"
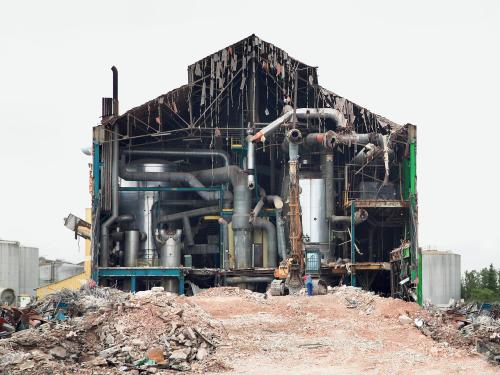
{"x": 272, "y": 252}
{"x": 120, "y": 236}
{"x": 183, "y": 177}
{"x": 325, "y": 140}
{"x": 329, "y": 184}
{"x": 359, "y": 216}
{"x": 194, "y": 153}
{"x": 280, "y": 234}
{"x": 248, "y": 279}
{"x": 188, "y": 232}
{"x": 327, "y": 173}
{"x": 275, "y": 200}
{"x": 250, "y": 163}
{"x": 366, "y": 154}
{"x": 191, "y": 213}
{"x": 301, "y": 113}
{"x": 104, "y": 251}
{"x": 241, "y": 226}
{"x": 241, "y": 209}
{"x": 294, "y": 137}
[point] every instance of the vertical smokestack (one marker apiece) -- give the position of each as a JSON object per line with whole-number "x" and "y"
{"x": 115, "y": 90}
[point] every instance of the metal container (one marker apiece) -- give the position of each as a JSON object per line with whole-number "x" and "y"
{"x": 312, "y": 204}
{"x": 132, "y": 243}
{"x": 440, "y": 277}
{"x": 170, "y": 252}
{"x": 139, "y": 203}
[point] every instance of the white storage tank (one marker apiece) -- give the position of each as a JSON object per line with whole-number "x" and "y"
{"x": 440, "y": 277}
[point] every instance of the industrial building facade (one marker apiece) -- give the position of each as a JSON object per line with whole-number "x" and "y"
{"x": 253, "y": 174}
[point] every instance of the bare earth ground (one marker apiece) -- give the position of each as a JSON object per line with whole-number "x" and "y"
{"x": 321, "y": 335}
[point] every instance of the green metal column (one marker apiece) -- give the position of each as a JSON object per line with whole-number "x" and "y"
{"x": 353, "y": 242}
{"x": 413, "y": 213}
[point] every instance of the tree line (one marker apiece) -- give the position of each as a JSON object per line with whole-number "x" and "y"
{"x": 482, "y": 286}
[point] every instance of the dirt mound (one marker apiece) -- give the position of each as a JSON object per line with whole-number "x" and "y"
{"x": 113, "y": 332}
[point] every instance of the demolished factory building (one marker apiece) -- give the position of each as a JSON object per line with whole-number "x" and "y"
{"x": 252, "y": 163}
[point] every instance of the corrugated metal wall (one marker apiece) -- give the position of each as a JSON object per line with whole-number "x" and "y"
{"x": 18, "y": 268}
{"x": 440, "y": 277}
{"x": 9, "y": 265}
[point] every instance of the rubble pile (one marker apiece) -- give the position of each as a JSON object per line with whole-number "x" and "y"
{"x": 105, "y": 331}
{"x": 228, "y": 291}
{"x": 469, "y": 326}
{"x": 354, "y": 297}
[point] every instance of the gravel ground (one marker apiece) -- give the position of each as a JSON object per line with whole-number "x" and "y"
{"x": 347, "y": 330}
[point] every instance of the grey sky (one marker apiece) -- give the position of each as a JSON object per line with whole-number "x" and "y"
{"x": 434, "y": 64}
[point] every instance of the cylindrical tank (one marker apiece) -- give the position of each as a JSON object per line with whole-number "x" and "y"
{"x": 139, "y": 203}
{"x": 132, "y": 243}
{"x": 7, "y": 296}
{"x": 170, "y": 252}
{"x": 440, "y": 277}
{"x": 312, "y": 204}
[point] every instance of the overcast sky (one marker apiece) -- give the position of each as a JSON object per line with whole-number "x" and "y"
{"x": 435, "y": 64}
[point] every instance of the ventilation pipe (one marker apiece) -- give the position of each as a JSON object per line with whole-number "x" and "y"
{"x": 250, "y": 163}
{"x": 129, "y": 174}
{"x": 272, "y": 252}
{"x": 280, "y": 229}
{"x": 104, "y": 251}
{"x": 301, "y": 113}
{"x": 193, "y": 153}
{"x": 360, "y": 215}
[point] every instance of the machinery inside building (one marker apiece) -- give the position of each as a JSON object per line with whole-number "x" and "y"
{"x": 254, "y": 175}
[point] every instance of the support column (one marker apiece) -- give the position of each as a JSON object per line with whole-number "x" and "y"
{"x": 353, "y": 241}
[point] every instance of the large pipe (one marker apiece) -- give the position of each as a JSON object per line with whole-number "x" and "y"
{"x": 181, "y": 177}
{"x": 250, "y": 162}
{"x": 188, "y": 232}
{"x": 301, "y": 113}
{"x": 275, "y": 200}
{"x": 327, "y": 174}
{"x": 359, "y": 216}
{"x": 326, "y": 140}
{"x": 191, "y": 213}
{"x": 329, "y": 184}
{"x": 104, "y": 251}
{"x": 280, "y": 234}
{"x": 194, "y": 153}
{"x": 241, "y": 226}
{"x": 272, "y": 252}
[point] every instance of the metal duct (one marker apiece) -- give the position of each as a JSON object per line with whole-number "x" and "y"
{"x": 359, "y": 216}
{"x": 193, "y": 153}
{"x": 272, "y": 254}
{"x": 250, "y": 163}
{"x": 182, "y": 177}
{"x": 301, "y": 113}
{"x": 280, "y": 234}
{"x": 191, "y": 213}
{"x": 241, "y": 226}
{"x": 325, "y": 140}
{"x": 104, "y": 251}
{"x": 327, "y": 174}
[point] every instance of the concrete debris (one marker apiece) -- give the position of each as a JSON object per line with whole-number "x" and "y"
{"x": 233, "y": 292}
{"x": 475, "y": 327}
{"x": 106, "y": 331}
